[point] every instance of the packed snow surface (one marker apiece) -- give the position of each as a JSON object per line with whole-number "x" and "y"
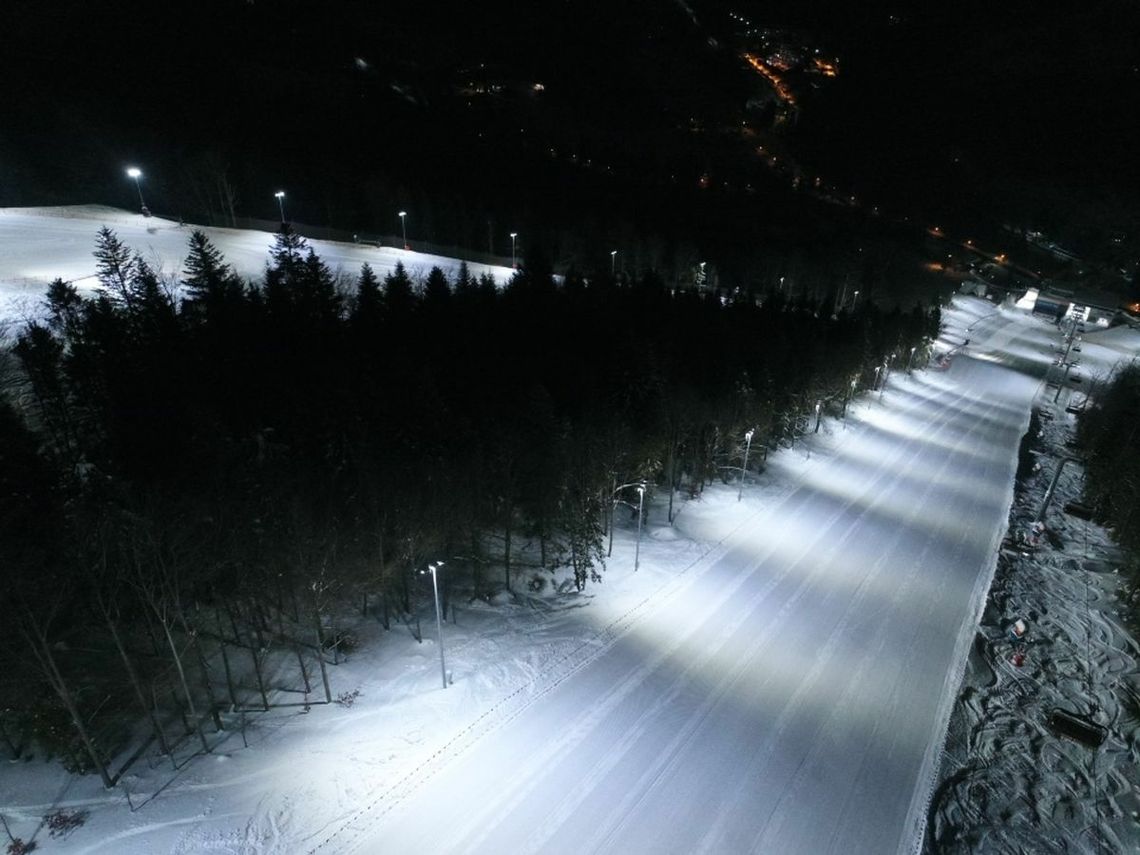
{"x": 788, "y": 694}
{"x": 777, "y": 677}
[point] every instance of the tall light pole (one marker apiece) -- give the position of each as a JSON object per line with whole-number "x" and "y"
{"x": 438, "y": 619}
{"x": 614, "y": 501}
{"x": 404, "y": 227}
{"x": 640, "y": 505}
{"x": 514, "y": 262}
{"x": 280, "y": 196}
{"x": 847, "y": 400}
{"x": 136, "y": 173}
{"x": 744, "y": 468}
{"x": 910, "y": 362}
{"x": 854, "y": 299}
{"x": 1064, "y": 380}
{"x": 613, "y": 262}
{"x": 883, "y": 385}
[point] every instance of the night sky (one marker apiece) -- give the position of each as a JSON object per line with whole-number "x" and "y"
{"x": 942, "y": 107}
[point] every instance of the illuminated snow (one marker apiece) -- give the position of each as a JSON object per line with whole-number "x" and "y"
{"x": 777, "y": 677}
{"x": 788, "y": 695}
{"x": 38, "y": 245}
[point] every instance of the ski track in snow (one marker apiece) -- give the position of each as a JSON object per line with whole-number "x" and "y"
{"x": 603, "y": 758}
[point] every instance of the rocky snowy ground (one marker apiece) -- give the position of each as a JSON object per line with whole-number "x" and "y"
{"x": 1008, "y": 783}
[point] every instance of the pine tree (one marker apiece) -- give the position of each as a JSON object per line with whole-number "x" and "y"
{"x": 398, "y": 295}
{"x": 64, "y": 307}
{"x": 41, "y": 355}
{"x": 114, "y": 267}
{"x": 205, "y": 270}
{"x": 287, "y": 258}
{"x": 366, "y": 307}
{"x": 437, "y": 290}
{"x": 317, "y": 295}
{"x": 487, "y": 285}
{"x": 464, "y": 281}
{"x": 288, "y": 252}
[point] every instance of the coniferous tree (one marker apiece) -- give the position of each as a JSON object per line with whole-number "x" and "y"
{"x": 317, "y": 297}
{"x": 464, "y": 281}
{"x": 366, "y": 308}
{"x": 205, "y": 271}
{"x": 487, "y": 285}
{"x": 42, "y": 356}
{"x": 114, "y": 267}
{"x": 286, "y": 260}
{"x": 398, "y": 294}
{"x": 64, "y": 307}
{"x": 437, "y": 290}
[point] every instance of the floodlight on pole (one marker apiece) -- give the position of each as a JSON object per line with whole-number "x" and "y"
{"x": 136, "y": 173}
{"x": 280, "y": 196}
{"x": 438, "y": 619}
{"x": 640, "y": 506}
{"x": 404, "y": 227}
{"x": 744, "y": 468}
{"x": 613, "y": 261}
{"x": 514, "y": 261}
{"x": 847, "y": 400}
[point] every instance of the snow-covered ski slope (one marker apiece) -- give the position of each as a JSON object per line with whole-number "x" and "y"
{"x": 789, "y": 695}
{"x": 788, "y": 692}
{"x": 38, "y": 245}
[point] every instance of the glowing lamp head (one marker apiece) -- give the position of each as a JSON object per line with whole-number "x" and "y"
{"x": 280, "y": 194}
{"x": 402, "y": 214}
{"x": 134, "y": 172}
{"x": 514, "y": 235}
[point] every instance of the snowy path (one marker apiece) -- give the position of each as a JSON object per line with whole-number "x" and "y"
{"x": 791, "y": 695}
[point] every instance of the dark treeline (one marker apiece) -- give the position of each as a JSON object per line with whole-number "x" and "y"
{"x": 200, "y": 477}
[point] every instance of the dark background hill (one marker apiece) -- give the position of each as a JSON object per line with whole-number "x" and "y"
{"x": 585, "y": 124}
